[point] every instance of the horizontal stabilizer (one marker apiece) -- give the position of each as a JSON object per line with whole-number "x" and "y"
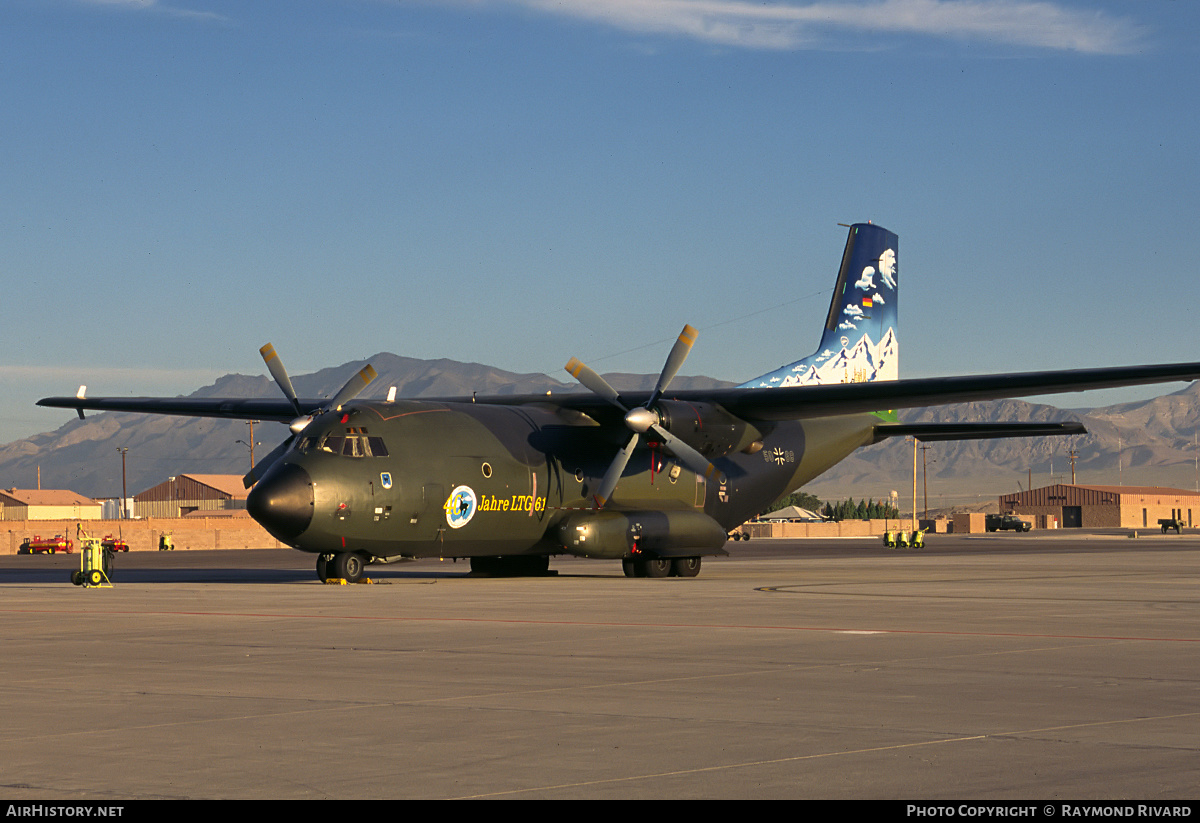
{"x": 974, "y": 431}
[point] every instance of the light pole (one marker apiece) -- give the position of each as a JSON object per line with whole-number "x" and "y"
{"x": 913, "y": 525}
{"x": 924, "y": 475}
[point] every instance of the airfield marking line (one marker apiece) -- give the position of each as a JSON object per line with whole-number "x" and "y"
{"x": 601, "y": 623}
{"x": 969, "y": 598}
{"x": 615, "y": 684}
{"x": 823, "y": 755}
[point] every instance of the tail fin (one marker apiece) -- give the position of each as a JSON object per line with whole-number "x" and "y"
{"x": 859, "y": 343}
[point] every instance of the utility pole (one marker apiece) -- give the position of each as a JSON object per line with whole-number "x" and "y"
{"x": 251, "y": 444}
{"x": 1073, "y": 454}
{"x": 124, "y": 494}
{"x": 925, "y": 475}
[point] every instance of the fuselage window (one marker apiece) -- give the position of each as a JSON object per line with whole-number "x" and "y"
{"x": 376, "y": 448}
{"x": 333, "y": 443}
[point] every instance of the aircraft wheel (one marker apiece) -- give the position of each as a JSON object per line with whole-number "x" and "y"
{"x": 348, "y": 566}
{"x": 353, "y": 567}
{"x": 322, "y": 567}
{"x": 685, "y": 566}
{"x": 658, "y": 567}
{"x": 629, "y": 566}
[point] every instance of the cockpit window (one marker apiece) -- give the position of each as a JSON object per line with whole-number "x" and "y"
{"x": 355, "y": 443}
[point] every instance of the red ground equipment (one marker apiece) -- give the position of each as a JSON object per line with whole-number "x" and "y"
{"x": 46, "y": 545}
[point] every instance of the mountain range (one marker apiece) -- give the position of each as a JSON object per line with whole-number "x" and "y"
{"x": 1148, "y": 442}
{"x": 83, "y": 455}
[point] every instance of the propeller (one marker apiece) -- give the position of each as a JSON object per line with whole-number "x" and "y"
{"x": 644, "y": 418}
{"x": 345, "y": 394}
{"x": 280, "y": 375}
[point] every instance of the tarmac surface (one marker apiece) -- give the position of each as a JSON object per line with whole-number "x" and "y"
{"x": 1057, "y": 666}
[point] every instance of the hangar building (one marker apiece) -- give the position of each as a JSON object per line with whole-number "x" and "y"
{"x": 1089, "y": 507}
{"x": 187, "y": 493}
{"x": 47, "y": 504}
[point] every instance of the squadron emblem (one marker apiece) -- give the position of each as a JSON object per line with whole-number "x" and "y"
{"x": 460, "y": 507}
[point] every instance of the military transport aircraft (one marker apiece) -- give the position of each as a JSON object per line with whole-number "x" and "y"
{"x": 654, "y": 479}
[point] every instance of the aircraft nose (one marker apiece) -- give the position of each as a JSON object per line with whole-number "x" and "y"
{"x": 283, "y": 502}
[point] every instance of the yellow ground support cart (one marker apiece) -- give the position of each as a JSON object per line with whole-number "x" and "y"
{"x": 95, "y": 563}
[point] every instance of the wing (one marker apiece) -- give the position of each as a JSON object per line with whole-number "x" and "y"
{"x": 785, "y": 403}
{"x": 799, "y": 402}
{"x": 234, "y": 408}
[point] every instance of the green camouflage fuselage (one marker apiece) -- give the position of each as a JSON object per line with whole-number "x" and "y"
{"x": 464, "y": 479}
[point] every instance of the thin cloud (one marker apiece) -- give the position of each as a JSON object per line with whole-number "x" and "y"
{"x": 155, "y": 6}
{"x": 789, "y": 26}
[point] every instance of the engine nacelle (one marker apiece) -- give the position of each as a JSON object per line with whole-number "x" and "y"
{"x": 707, "y": 427}
{"x": 622, "y": 534}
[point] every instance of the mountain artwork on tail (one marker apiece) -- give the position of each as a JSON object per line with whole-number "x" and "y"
{"x": 859, "y": 342}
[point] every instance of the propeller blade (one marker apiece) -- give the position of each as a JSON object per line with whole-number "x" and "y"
{"x": 591, "y": 380}
{"x": 613, "y": 475}
{"x": 260, "y": 468}
{"x": 679, "y": 353}
{"x": 353, "y": 386}
{"x": 685, "y": 454}
{"x": 279, "y": 373}
{"x": 644, "y": 418}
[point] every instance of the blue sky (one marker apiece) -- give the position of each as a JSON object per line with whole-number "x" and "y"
{"x": 515, "y": 182}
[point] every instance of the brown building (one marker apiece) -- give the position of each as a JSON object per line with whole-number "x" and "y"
{"x": 47, "y": 504}
{"x": 187, "y": 493}
{"x": 1089, "y": 507}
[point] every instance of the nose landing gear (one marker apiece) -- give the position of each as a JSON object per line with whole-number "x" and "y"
{"x": 346, "y": 566}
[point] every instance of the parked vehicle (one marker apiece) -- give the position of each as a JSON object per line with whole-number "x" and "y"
{"x": 114, "y": 544}
{"x": 1005, "y": 523}
{"x": 45, "y": 545}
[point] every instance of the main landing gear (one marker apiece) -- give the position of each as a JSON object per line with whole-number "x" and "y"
{"x": 345, "y": 565}
{"x": 661, "y": 567}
